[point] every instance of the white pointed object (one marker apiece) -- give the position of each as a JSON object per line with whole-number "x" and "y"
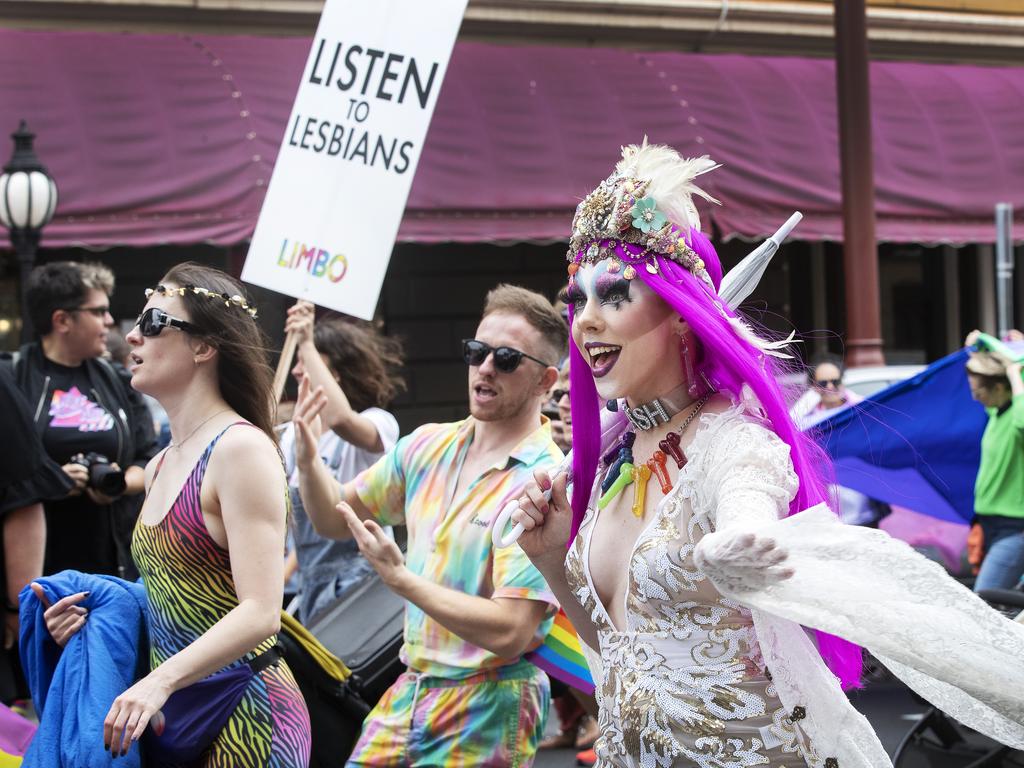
{"x": 742, "y": 279}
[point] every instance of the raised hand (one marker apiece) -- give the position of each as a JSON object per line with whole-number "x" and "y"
{"x": 300, "y": 322}
{"x": 64, "y": 617}
{"x": 377, "y": 547}
{"x": 546, "y": 523}
{"x": 306, "y": 418}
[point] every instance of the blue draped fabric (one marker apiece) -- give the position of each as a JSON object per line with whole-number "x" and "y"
{"x": 916, "y": 444}
{"x": 74, "y": 688}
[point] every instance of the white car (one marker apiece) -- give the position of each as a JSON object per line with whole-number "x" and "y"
{"x": 867, "y": 381}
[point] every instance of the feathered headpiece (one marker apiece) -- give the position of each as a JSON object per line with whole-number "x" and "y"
{"x": 648, "y": 203}
{"x": 645, "y": 210}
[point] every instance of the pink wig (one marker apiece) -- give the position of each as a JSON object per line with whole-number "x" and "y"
{"x": 729, "y": 363}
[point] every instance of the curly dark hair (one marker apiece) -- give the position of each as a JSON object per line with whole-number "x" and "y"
{"x": 366, "y": 361}
{"x": 244, "y": 374}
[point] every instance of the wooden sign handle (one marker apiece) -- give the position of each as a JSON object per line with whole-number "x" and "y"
{"x": 284, "y": 364}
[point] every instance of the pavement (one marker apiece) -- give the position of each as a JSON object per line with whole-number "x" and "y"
{"x": 887, "y": 705}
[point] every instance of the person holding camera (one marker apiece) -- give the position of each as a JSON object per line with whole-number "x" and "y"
{"x": 91, "y": 421}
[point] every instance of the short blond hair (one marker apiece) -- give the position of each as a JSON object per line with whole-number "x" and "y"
{"x": 536, "y": 310}
{"x": 97, "y": 277}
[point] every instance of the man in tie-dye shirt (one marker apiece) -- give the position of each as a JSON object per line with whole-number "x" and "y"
{"x": 472, "y": 611}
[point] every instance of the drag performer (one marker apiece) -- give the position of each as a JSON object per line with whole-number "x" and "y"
{"x": 209, "y": 539}
{"x": 687, "y": 566}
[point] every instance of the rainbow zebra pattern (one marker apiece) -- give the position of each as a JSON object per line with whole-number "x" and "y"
{"x": 189, "y": 589}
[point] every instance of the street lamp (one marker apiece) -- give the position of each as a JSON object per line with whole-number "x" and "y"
{"x": 28, "y": 197}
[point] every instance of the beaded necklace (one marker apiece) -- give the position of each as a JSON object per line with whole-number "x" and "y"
{"x": 623, "y": 471}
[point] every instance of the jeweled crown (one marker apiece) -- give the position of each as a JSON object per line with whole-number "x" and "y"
{"x": 625, "y": 208}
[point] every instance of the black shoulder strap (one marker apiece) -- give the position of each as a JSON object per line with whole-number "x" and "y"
{"x": 113, "y": 380}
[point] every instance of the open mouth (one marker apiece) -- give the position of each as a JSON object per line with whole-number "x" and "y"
{"x": 484, "y": 392}
{"x": 602, "y": 357}
{"x": 135, "y": 360}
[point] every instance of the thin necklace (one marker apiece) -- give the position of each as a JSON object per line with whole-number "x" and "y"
{"x": 178, "y": 444}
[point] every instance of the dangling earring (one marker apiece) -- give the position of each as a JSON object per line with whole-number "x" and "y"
{"x": 688, "y": 354}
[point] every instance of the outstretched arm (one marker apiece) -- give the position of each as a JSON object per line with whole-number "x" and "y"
{"x": 503, "y": 626}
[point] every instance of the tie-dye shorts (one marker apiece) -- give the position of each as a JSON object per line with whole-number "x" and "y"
{"x": 494, "y": 719}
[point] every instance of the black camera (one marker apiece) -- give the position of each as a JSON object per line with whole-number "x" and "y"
{"x": 103, "y": 477}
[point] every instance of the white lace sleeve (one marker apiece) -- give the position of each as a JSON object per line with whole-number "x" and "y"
{"x": 936, "y": 635}
{"x": 746, "y": 479}
{"x": 858, "y": 583}
{"x": 747, "y": 473}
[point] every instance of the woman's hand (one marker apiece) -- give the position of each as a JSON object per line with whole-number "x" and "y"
{"x": 741, "y": 561}
{"x": 131, "y": 712}
{"x": 546, "y": 523}
{"x": 300, "y": 322}
{"x": 79, "y": 476}
{"x": 63, "y": 618}
{"x": 306, "y": 418}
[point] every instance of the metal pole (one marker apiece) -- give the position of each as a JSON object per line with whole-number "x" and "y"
{"x": 1004, "y": 267}
{"x": 860, "y": 254}
{"x": 25, "y": 243}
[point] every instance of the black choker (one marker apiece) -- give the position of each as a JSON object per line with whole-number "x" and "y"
{"x": 659, "y": 411}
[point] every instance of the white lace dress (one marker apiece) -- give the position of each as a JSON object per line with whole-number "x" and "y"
{"x": 714, "y": 668}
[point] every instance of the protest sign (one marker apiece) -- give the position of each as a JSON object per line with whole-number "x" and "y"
{"x": 350, "y": 150}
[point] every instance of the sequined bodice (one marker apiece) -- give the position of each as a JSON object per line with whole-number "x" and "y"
{"x": 683, "y": 683}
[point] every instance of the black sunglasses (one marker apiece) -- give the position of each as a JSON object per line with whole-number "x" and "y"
{"x": 558, "y": 394}
{"x": 823, "y": 383}
{"x": 99, "y": 312}
{"x": 506, "y": 359}
{"x": 154, "y": 320}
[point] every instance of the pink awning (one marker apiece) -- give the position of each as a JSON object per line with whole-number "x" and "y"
{"x": 171, "y": 139}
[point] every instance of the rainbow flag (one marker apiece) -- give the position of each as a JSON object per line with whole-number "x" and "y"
{"x": 561, "y": 656}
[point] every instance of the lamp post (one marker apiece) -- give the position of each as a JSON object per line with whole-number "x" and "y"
{"x": 28, "y": 197}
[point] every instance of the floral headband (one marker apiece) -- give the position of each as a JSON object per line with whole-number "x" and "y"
{"x": 228, "y": 299}
{"x": 619, "y": 211}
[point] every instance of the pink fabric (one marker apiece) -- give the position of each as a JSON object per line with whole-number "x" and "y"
{"x": 171, "y": 138}
{"x": 15, "y": 733}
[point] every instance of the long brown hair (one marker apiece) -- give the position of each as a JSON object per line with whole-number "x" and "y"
{"x": 244, "y": 376}
{"x": 366, "y": 361}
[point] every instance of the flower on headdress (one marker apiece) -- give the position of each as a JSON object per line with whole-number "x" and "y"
{"x": 646, "y": 216}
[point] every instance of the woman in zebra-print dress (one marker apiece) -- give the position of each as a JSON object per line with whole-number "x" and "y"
{"x": 210, "y": 538}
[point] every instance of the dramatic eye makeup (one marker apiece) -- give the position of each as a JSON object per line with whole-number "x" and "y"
{"x": 574, "y": 296}
{"x": 610, "y": 288}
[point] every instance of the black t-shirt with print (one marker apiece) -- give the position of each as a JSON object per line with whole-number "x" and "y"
{"x": 82, "y": 532}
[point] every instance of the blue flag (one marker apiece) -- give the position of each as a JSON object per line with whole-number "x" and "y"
{"x": 916, "y": 444}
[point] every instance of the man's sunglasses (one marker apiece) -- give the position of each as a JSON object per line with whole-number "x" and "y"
{"x": 506, "y": 359}
{"x": 100, "y": 312}
{"x": 154, "y": 320}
